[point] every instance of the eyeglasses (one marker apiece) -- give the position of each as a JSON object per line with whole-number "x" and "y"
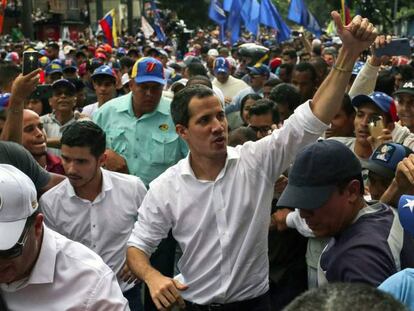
{"x": 60, "y": 92}
{"x": 262, "y": 129}
{"x": 17, "y": 249}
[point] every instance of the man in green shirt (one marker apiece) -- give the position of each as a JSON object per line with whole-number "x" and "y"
{"x": 140, "y": 133}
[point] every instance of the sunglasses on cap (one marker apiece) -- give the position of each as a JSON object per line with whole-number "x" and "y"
{"x": 17, "y": 249}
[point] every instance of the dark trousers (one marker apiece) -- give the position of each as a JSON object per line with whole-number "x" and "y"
{"x": 133, "y": 296}
{"x": 163, "y": 261}
{"x": 261, "y": 303}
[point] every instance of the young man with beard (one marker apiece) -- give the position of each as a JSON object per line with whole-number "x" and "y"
{"x": 95, "y": 207}
{"x": 34, "y": 140}
{"x": 217, "y": 200}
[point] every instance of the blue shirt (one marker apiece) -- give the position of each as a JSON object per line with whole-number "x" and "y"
{"x": 149, "y": 143}
{"x": 401, "y": 287}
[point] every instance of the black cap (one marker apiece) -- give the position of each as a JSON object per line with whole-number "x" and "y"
{"x": 406, "y": 88}
{"x": 315, "y": 173}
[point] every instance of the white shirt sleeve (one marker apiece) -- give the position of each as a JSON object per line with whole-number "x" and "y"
{"x": 107, "y": 296}
{"x": 274, "y": 153}
{"x": 152, "y": 225}
{"x": 294, "y": 221}
{"x": 365, "y": 81}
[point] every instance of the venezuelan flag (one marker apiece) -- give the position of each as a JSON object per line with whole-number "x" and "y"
{"x": 3, "y": 5}
{"x": 108, "y": 26}
{"x": 346, "y": 13}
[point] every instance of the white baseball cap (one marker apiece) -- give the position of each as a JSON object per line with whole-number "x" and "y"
{"x": 125, "y": 79}
{"x": 18, "y": 201}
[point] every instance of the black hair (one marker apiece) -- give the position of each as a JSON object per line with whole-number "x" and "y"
{"x": 347, "y": 106}
{"x": 291, "y": 53}
{"x": 302, "y": 67}
{"x": 342, "y": 184}
{"x": 240, "y": 135}
{"x": 85, "y": 134}
{"x": 180, "y": 112}
{"x": 199, "y": 79}
{"x": 265, "y": 106}
{"x": 288, "y": 69}
{"x": 126, "y": 62}
{"x": 102, "y": 78}
{"x": 196, "y": 68}
{"x": 286, "y": 93}
{"x": 272, "y": 82}
{"x": 385, "y": 82}
{"x": 253, "y": 96}
{"x": 406, "y": 72}
{"x": 8, "y": 72}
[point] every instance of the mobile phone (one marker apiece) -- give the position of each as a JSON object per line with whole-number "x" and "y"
{"x": 44, "y": 91}
{"x": 30, "y": 61}
{"x": 375, "y": 126}
{"x": 396, "y": 47}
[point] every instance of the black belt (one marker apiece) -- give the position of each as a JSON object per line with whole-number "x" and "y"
{"x": 231, "y": 306}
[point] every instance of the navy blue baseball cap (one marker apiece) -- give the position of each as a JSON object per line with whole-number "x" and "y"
{"x": 385, "y": 159}
{"x": 316, "y": 172}
{"x": 63, "y": 83}
{"x": 103, "y": 70}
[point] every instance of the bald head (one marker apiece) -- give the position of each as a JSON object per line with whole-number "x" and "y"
{"x": 34, "y": 137}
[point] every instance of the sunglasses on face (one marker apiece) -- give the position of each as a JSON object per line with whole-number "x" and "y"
{"x": 60, "y": 92}
{"x": 262, "y": 129}
{"x": 17, "y": 249}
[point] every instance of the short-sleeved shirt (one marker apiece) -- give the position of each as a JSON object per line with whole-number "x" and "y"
{"x": 149, "y": 143}
{"x": 14, "y": 154}
{"x": 54, "y": 129}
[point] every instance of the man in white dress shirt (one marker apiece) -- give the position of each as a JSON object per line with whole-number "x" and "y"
{"x": 93, "y": 206}
{"x": 41, "y": 269}
{"x": 217, "y": 200}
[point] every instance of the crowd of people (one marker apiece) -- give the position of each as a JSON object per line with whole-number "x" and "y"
{"x": 222, "y": 178}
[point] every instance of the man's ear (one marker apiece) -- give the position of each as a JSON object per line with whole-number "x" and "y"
{"x": 353, "y": 189}
{"x": 181, "y": 130}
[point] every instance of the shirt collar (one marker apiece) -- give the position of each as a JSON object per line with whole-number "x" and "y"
{"x": 44, "y": 269}
{"x": 106, "y": 186}
{"x": 126, "y": 105}
{"x": 232, "y": 155}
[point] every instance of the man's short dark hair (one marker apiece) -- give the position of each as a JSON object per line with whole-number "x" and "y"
{"x": 347, "y": 106}
{"x": 195, "y": 69}
{"x": 272, "y": 82}
{"x": 385, "y": 82}
{"x": 179, "y": 106}
{"x": 291, "y": 53}
{"x": 240, "y": 135}
{"x": 126, "y": 62}
{"x": 8, "y": 72}
{"x": 85, "y": 134}
{"x": 303, "y": 67}
{"x": 286, "y": 93}
{"x": 265, "y": 106}
{"x": 344, "y": 297}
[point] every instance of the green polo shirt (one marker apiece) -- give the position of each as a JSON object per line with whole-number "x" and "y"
{"x": 149, "y": 144}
